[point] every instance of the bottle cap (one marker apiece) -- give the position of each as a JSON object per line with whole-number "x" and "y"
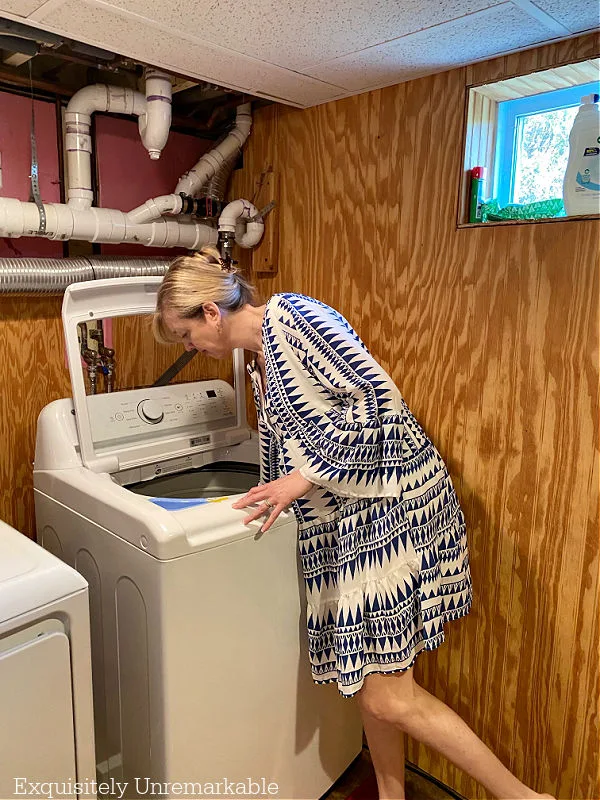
{"x": 478, "y": 172}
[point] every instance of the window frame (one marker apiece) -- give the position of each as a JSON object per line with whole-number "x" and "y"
{"x": 509, "y": 112}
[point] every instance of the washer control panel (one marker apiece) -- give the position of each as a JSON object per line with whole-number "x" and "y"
{"x": 146, "y": 413}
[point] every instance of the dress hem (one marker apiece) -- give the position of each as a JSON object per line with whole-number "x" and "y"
{"x": 381, "y": 668}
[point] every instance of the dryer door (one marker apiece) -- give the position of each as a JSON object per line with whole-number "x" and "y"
{"x": 37, "y": 740}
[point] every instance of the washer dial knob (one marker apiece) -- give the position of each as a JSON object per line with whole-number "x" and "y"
{"x": 150, "y": 411}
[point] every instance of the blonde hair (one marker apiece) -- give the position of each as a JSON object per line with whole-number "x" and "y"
{"x": 194, "y": 280}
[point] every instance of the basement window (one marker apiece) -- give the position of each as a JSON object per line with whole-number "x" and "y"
{"x": 532, "y": 144}
{"x": 518, "y": 136}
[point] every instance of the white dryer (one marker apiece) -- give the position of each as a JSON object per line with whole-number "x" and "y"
{"x": 46, "y": 722}
{"x": 200, "y": 664}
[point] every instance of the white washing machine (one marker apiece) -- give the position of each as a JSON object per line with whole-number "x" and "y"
{"x": 46, "y": 718}
{"x": 200, "y": 664}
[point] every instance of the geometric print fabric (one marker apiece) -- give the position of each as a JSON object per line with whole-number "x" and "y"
{"x": 382, "y": 538}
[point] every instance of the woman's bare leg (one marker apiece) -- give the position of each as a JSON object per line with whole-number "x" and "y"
{"x": 396, "y": 699}
{"x": 386, "y": 746}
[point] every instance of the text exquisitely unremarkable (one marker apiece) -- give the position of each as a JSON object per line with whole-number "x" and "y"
{"x": 141, "y": 787}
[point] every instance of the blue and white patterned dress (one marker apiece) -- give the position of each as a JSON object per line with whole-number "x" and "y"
{"x": 382, "y": 537}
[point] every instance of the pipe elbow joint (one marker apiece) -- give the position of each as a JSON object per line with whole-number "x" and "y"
{"x": 251, "y": 236}
{"x": 89, "y": 99}
{"x": 238, "y": 213}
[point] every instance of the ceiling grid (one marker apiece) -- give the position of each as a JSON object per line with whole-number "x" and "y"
{"x": 308, "y": 52}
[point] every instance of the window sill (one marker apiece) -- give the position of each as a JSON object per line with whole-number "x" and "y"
{"x": 504, "y": 222}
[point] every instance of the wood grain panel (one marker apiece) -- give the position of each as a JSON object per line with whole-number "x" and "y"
{"x": 491, "y": 335}
{"x": 33, "y": 374}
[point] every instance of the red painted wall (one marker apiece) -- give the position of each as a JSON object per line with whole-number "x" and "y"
{"x": 15, "y": 152}
{"x": 127, "y": 177}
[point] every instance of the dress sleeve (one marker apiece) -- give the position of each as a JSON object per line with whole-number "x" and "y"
{"x": 341, "y": 413}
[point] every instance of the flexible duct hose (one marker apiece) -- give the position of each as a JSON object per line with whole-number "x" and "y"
{"x": 52, "y": 275}
{"x": 217, "y": 185}
{"x": 128, "y": 267}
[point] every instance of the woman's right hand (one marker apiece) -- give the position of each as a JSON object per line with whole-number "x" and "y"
{"x": 274, "y": 497}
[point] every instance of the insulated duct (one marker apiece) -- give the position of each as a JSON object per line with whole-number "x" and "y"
{"x": 51, "y": 276}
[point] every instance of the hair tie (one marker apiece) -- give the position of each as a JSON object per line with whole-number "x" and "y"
{"x": 227, "y": 265}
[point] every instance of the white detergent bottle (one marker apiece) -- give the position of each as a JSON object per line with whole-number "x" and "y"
{"x": 581, "y": 186}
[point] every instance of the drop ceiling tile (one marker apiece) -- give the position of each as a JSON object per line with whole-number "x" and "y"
{"x": 462, "y": 41}
{"x": 577, "y": 16}
{"x": 295, "y": 33}
{"x": 21, "y": 8}
{"x": 131, "y": 36}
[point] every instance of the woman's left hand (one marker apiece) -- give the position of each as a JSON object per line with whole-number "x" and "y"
{"x": 274, "y": 497}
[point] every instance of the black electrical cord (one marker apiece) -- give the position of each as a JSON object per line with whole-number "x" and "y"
{"x": 176, "y": 367}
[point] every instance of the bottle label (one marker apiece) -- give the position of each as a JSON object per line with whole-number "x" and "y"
{"x": 588, "y": 174}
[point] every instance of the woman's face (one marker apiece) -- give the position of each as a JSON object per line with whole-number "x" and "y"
{"x": 206, "y": 335}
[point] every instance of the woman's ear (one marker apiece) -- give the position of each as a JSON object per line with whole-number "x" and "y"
{"x": 212, "y": 312}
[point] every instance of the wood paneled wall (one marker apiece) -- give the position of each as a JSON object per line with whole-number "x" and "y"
{"x": 491, "y": 335}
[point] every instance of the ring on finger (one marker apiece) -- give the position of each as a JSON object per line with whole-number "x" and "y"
{"x": 268, "y": 504}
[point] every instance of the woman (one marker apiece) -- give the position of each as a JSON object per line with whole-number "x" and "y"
{"x": 381, "y": 534}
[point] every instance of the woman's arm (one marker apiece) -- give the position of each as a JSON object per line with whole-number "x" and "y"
{"x": 341, "y": 414}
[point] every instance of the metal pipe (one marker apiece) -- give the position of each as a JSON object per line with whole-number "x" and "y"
{"x": 50, "y": 276}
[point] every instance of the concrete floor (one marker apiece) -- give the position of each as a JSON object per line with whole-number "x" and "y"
{"x": 417, "y": 787}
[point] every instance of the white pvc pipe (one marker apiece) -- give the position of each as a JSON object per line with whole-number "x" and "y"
{"x": 155, "y": 208}
{"x": 239, "y": 211}
{"x": 192, "y": 181}
{"x": 154, "y": 121}
{"x": 154, "y": 126}
{"x": 18, "y": 218}
{"x": 78, "y": 140}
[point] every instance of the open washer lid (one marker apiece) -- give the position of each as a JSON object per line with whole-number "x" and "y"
{"x": 113, "y": 429}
